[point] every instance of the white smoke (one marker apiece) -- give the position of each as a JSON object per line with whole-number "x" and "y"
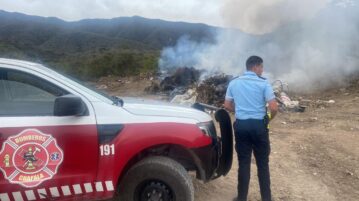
{"x": 217, "y": 57}
{"x": 309, "y": 45}
{"x": 263, "y": 16}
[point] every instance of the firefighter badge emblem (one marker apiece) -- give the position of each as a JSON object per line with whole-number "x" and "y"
{"x": 30, "y": 158}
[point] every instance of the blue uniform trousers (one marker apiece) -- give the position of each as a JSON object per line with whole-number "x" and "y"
{"x": 252, "y": 135}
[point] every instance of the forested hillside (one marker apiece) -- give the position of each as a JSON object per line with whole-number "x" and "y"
{"x": 93, "y": 48}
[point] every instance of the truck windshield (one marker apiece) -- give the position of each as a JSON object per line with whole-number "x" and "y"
{"x": 92, "y": 89}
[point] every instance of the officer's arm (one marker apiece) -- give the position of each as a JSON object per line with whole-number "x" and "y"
{"x": 273, "y": 107}
{"x": 229, "y": 105}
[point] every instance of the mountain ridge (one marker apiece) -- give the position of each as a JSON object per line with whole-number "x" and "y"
{"x": 125, "y": 42}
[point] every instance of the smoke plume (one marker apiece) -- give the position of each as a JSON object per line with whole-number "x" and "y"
{"x": 311, "y": 45}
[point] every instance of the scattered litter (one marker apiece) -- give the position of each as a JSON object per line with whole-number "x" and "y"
{"x": 322, "y": 103}
{"x": 314, "y": 118}
{"x": 349, "y": 173}
{"x": 189, "y": 98}
{"x": 285, "y": 102}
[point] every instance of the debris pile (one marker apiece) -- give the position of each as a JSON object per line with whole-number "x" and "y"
{"x": 179, "y": 81}
{"x": 285, "y": 102}
{"x": 184, "y": 87}
{"x": 212, "y": 90}
{"x": 182, "y": 77}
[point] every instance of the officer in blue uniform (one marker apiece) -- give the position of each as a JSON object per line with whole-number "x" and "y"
{"x": 248, "y": 96}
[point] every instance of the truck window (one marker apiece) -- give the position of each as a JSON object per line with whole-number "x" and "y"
{"x": 26, "y": 95}
{"x": 2, "y": 92}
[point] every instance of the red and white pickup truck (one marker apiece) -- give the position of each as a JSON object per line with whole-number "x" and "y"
{"x": 60, "y": 140}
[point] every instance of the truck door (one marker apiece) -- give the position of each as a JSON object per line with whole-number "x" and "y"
{"x": 43, "y": 156}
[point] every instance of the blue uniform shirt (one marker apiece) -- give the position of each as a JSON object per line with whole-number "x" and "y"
{"x": 250, "y": 94}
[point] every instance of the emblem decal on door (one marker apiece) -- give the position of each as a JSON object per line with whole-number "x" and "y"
{"x": 30, "y": 158}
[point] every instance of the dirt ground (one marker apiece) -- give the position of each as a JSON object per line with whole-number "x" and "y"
{"x": 314, "y": 155}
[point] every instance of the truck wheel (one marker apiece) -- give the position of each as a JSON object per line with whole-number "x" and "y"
{"x": 156, "y": 179}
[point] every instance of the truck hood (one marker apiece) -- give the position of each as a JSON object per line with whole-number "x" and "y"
{"x": 144, "y": 107}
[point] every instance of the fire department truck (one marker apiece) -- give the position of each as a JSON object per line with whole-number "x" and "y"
{"x": 61, "y": 140}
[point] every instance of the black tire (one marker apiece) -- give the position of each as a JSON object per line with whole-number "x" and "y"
{"x": 226, "y": 159}
{"x": 160, "y": 175}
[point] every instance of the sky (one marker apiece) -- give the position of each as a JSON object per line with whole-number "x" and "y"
{"x": 204, "y": 11}
{"x": 225, "y": 13}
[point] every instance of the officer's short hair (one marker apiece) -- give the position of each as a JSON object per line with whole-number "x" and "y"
{"x": 253, "y": 61}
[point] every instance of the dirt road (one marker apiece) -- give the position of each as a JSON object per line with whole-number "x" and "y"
{"x": 314, "y": 157}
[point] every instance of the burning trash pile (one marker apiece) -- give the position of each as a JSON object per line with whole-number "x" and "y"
{"x": 213, "y": 89}
{"x": 187, "y": 86}
{"x": 176, "y": 83}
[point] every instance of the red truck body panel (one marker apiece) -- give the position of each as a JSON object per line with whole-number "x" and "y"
{"x": 85, "y": 174}
{"x": 71, "y": 156}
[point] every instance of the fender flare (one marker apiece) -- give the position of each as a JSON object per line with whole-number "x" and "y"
{"x": 226, "y": 158}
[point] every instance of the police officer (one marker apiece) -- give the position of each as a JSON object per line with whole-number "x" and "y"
{"x": 248, "y": 96}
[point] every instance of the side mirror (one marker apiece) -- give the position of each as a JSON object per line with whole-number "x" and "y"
{"x": 69, "y": 105}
